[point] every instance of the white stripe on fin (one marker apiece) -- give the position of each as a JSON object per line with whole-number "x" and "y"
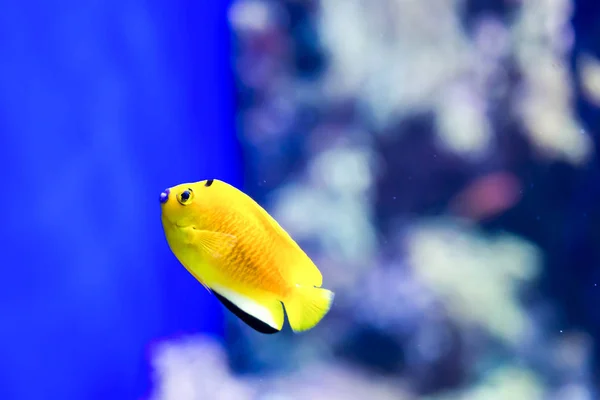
{"x": 270, "y": 313}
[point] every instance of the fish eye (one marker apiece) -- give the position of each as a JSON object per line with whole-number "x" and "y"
{"x": 185, "y": 197}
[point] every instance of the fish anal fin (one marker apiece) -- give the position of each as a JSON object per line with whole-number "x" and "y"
{"x": 262, "y": 313}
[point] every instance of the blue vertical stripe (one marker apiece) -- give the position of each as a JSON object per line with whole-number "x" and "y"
{"x": 103, "y": 104}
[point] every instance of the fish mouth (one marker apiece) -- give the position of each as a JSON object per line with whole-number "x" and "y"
{"x": 164, "y": 196}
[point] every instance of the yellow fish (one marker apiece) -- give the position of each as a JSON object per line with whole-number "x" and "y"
{"x": 231, "y": 245}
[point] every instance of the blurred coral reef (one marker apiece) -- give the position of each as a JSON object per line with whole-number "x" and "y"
{"x": 385, "y": 136}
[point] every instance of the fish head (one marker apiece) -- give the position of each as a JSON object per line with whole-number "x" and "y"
{"x": 189, "y": 204}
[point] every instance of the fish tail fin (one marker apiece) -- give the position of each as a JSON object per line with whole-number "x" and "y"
{"x": 307, "y": 306}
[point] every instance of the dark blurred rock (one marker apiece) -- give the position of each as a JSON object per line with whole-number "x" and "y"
{"x": 373, "y": 349}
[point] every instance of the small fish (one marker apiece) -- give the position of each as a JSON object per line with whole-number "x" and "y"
{"x": 237, "y": 251}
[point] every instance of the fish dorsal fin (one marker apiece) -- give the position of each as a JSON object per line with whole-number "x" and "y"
{"x": 300, "y": 270}
{"x": 262, "y": 314}
{"x": 293, "y": 262}
{"x": 216, "y": 245}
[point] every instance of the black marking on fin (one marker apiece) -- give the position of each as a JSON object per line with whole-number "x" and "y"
{"x": 251, "y": 321}
{"x": 209, "y": 182}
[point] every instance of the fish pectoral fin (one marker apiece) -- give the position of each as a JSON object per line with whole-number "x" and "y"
{"x": 262, "y": 313}
{"x": 214, "y": 244}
